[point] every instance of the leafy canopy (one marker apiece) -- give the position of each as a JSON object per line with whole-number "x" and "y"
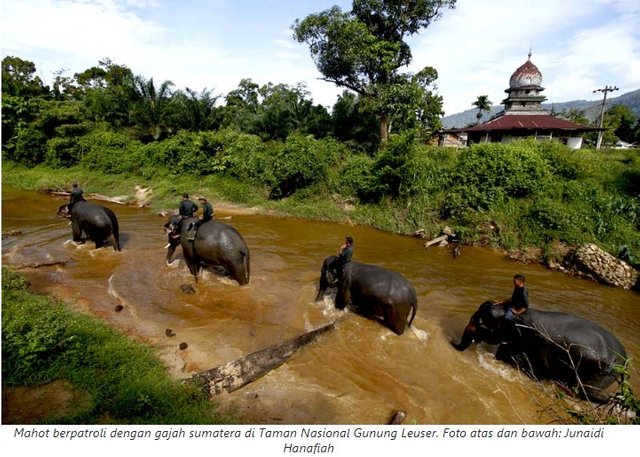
{"x": 363, "y": 50}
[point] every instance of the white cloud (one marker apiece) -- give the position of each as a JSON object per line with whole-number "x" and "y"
{"x": 576, "y": 44}
{"x": 579, "y": 46}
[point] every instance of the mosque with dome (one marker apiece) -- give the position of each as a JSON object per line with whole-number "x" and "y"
{"x": 523, "y": 116}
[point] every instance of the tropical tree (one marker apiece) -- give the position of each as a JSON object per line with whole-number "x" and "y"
{"x": 273, "y": 111}
{"x": 19, "y": 78}
{"x": 575, "y": 115}
{"x": 152, "y": 111}
{"x": 623, "y": 123}
{"x": 353, "y": 124}
{"x": 241, "y": 109}
{"x": 107, "y": 90}
{"x": 196, "y": 111}
{"x": 363, "y": 50}
{"x": 483, "y": 104}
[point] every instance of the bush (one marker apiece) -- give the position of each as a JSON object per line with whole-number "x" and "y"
{"x": 487, "y": 173}
{"x": 391, "y": 163}
{"x": 30, "y": 146}
{"x": 110, "y": 151}
{"x": 300, "y": 162}
{"x": 62, "y": 152}
{"x": 245, "y": 156}
{"x": 356, "y": 179}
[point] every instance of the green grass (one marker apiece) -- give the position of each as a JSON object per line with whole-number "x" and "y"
{"x": 42, "y": 341}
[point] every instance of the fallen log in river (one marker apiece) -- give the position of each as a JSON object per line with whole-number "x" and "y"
{"x": 242, "y": 371}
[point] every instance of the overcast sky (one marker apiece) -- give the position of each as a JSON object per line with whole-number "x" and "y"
{"x": 578, "y": 45}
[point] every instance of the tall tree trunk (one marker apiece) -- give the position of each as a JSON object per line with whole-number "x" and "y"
{"x": 384, "y": 128}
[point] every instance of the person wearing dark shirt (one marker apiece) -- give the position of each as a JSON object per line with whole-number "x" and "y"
{"x": 345, "y": 254}
{"x": 75, "y": 195}
{"x": 187, "y": 208}
{"x": 519, "y": 301}
{"x": 207, "y": 215}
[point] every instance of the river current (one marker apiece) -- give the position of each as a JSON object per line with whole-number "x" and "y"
{"x": 358, "y": 373}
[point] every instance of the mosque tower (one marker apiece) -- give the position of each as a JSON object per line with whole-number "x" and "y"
{"x": 524, "y": 90}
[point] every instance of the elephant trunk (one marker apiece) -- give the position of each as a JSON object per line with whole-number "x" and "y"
{"x": 467, "y": 337}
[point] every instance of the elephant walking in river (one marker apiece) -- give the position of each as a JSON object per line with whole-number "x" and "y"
{"x": 215, "y": 243}
{"x": 98, "y": 222}
{"x": 568, "y": 349}
{"x": 374, "y": 291}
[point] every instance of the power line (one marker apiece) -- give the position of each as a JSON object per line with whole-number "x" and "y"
{"x": 606, "y": 90}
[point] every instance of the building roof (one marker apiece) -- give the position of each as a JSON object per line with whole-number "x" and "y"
{"x": 528, "y": 122}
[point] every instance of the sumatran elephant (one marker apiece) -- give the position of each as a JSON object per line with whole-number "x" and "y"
{"x": 215, "y": 244}
{"x": 374, "y": 291}
{"x": 573, "y": 351}
{"x": 99, "y": 223}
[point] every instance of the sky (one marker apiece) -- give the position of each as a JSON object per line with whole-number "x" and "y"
{"x": 579, "y": 46}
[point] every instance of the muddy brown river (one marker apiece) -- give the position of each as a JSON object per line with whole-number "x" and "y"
{"x": 358, "y": 373}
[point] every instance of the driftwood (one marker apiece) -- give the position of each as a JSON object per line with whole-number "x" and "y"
{"x": 242, "y": 371}
{"x": 41, "y": 264}
{"x": 11, "y": 233}
{"x": 105, "y": 198}
{"x": 436, "y": 240}
{"x": 398, "y": 418}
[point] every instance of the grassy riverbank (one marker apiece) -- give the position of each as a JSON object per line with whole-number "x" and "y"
{"x": 105, "y": 376}
{"x": 530, "y": 199}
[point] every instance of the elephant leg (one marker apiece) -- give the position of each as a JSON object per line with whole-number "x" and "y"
{"x": 76, "y": 230}
{"x": 399, "y": 323}
{"x": 343, "y": 297}
{"x": 170, "y": 251}
{"x": 114, "y": 242}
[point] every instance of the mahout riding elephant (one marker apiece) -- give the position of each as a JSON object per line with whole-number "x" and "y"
{"x": 214, "y": 244}
{"x": 373, "y": 291}
{"x": 575, "y": 352}
{"x": 98, "y": 222}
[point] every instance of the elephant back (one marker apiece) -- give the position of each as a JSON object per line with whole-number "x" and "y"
{"x": 218, "y": 244}
{"x": 569, "y": 330}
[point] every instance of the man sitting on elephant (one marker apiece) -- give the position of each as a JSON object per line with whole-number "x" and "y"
{"x": 207, "y": 215}
{"x": 187, "y": 208}
{"x": 516, "y": 305}
{"x": 75, "y": 195}
{"x": 345, "y": 254}
{"x": 519, "y": 301}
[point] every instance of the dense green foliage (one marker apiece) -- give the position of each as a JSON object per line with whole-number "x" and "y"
{"x": 43, "y": 340}
{"x": 364, "y": 50}
{"x": 270, "y": 146}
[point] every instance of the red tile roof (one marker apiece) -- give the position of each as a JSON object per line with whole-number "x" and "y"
{"x": 528, "y": 122}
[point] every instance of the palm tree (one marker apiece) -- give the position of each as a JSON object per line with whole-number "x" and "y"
{"x": 483, "y": 104}
{"x": 153, "y": 104}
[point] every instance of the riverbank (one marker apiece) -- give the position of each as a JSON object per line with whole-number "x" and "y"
{"x": 323, "y": 384}
{"x": 60, "y": 366}
{"x": 162, "y": 195}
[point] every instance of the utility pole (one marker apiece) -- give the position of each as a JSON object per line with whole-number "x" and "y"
{"x": 604, "y": 100}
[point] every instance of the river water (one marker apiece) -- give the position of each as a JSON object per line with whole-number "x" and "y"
{"x": 358, "y": 373}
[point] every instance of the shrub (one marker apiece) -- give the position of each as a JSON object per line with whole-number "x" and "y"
{"x": 245, "y": 156}
{"x": 391, "y": 163}
{"x": 110, "y": 151}
{"x": 488, "y": 173}
{"x": 62, "y": 152}
{"x": 356, "y": 178}
{"x": 30, "y": 146}
{"x": 300, "y": 162}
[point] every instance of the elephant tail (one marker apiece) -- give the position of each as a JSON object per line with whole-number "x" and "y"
{"x": 115, "y": 233}
{"x": 414, "y": 307}
{"x": 245, "y": 264}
